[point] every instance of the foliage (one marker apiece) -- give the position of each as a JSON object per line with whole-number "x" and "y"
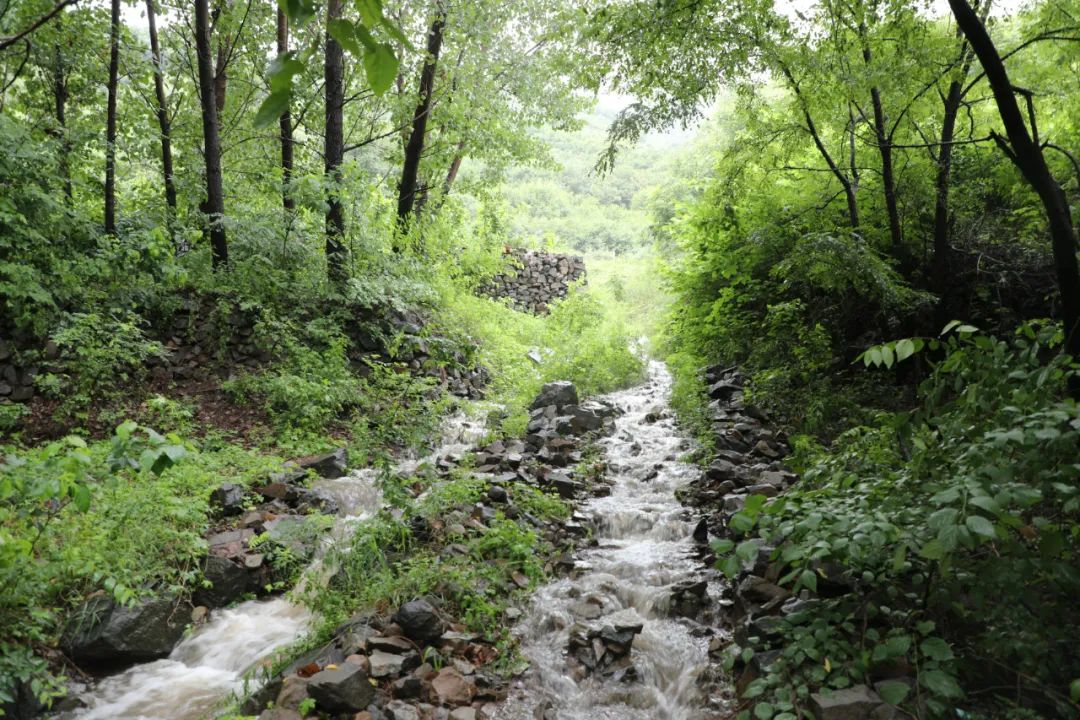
{"x": 955, "y": 528}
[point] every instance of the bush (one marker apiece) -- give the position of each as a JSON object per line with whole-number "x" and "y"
{"x": 956, "y": 529}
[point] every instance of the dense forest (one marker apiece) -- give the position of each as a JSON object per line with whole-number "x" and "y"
{"x": 462, "y": 359}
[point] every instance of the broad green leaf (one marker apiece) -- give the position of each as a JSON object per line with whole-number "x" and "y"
{"x": 887, "y": 356}
{"x": 940, "y": 683}
{"x": 808, "y": 579}
{"x": 893, "y": 692}
{"x": 980, "y": 526}
{"x": 747, "y": 551}
{"x": 932, "y": 550}
{"x": 371, "y": 12}
{"x": 764, "y": 711}
{"x": 80, "y": 495}
{"x": 722, "y": 546}
{"x": 345, "y": 33}
{"x": 936, "y": 649}
{"x": 904, "y": 349}
{"x": 272, "y": 108}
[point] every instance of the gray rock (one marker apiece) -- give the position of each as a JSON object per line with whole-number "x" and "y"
{"x": 419, "y": 622}
{"x": 384, "y": 664}
{"x": 343, "y": 689}
{"x": 229, "y": 499}
{"x": 330, "y": 465}
{"x": 228, "y": 582}
{"x": 853, "y": 703}
{"x": 559, "y": 393}
{"x": 106, "y": 634}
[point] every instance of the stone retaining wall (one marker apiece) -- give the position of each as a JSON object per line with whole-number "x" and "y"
{"x": 538, "y": 279}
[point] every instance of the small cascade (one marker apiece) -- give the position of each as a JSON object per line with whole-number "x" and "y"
{"x": 644, "y": 550}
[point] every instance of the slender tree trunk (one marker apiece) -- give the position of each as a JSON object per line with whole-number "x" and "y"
{"x": 162, "y": 117}
{"x": 811, "y": 127}
{"x": 884, "y": 143}
{"x": 285, "y": 122}
{"x": 414, "y": 149}
{"x": 941, "y": 264}
{"x": 455, "y": 167}
{"x": 215, "y": 200}
{"x": 334, "y": 151}
{"x": 60, "y": 97}
{"x": 221, "y": 74}
{"x": 1024, "y": 151}
{"x": 110, "y": 120}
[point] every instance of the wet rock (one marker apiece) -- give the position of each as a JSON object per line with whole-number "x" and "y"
{"x": 400, "y": 710}
{"x": 391, "y": 644}
{"x": 419, "y": 622}
{"x": 463, "y": 713}
{"x": 294, "y": 690}
{"x": 329, "y": 465}
{"x": 342, "y": 689}
{"x": 228, "y": 499}
{"x": 228, "y": 582}
{"x": 688, "y": 597}
{"x": 559, "y": 393}
{"x": 498, "y": 494}
{"x": 407, "y": 688}
{"x": 104, "y": 633}
{"x": 853, "y": 703}
{"x": 453, "y": 688}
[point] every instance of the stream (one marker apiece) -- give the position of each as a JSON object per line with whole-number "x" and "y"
{"x": 643, "y": 549}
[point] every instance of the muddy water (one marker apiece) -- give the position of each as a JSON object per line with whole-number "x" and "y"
{"x": 210, "y": 664}
{"x": 644, "y": 547}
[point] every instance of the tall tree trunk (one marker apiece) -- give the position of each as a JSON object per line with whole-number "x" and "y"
{"x": 221, "y": 74}
{"x": 455, "y": 167}
{"x": 285, "y": 122}
{"x": 110, "y": 120}
{"x": 60, "y": 97}
{"x": 414, "y": 149}
{"x": 940, "y": 265}
{"x": 334, "y": 151}
{"x": 884, "y": 143}
{"x": 162, "y": 117}
{"x": 1024, "y": 151}
{"x": 215, "y": 200}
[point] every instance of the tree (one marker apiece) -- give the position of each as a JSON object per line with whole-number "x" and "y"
{"x": 162, "y": 112}
{"x": 285, "y": 121}
{"x": 334, "y": 149}
{"x": 1022, "y": 146}
{"x": 110, "y": 119}
{"x": 215, "y": 200}
{"x": 414, "y": 148}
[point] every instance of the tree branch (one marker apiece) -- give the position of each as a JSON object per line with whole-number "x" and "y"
{"x": 7, "y": 42}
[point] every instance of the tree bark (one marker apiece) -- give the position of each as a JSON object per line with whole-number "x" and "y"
{"x": 334, "y": 151}
{"x": 285, "y": 122}
{"x": 215, "y": 201}
{"x": 163, "y": 117}
{"x": 221, "y": 74}
{"x": 60, "y": 98}
{"x": 414, "y": 148}
{"x": 941, "y": 263}
{"x": 110, "y": 119}
{"x": 884, "y": 143}
{"x": 1024, "y": 151}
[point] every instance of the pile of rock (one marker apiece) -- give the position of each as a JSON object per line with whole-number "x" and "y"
{"x": 605, "y": 649}
{"x": 540, "y": 279}
{"x": 748, "y": 462}
{"x": 414, "y": 665}
{"x": 16, "y": 383}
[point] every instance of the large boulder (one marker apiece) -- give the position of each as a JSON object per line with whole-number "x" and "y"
{"x": 419, "y": 622}
{"x": 104, "y": 633}
{"x": 228, "y": 499}
{"x": 559, "y": 393}
{"x": 329, "y": 465}
{"x": 343, "y": 689}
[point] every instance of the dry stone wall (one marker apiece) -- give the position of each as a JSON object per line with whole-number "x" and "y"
{"x": 537, "y": 280}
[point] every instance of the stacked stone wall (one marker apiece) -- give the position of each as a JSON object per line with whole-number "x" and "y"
{"x": 536, "y": 279}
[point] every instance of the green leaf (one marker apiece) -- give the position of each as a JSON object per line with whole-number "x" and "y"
{"x": 898, "y": 645}
{"x": 722, "y": 546}
{"x": 299, "y": 11}
{"x": 273, "y": 107}
{"x": 381, "y": 67}
{"x": 747, "y": 551}
{"x": 80, "y": 495}
{"x": 808, "y": 579}
{"x": 936, "y": 649}
{"x": 904, "y": 349}
{"x": 345, "y": 33}
{"x": 282, "y": 70}
{"x": 893, "y": 692}
{"x": 764, "y": 711}
{"x": 980, "y": 526}
{"x": 1074, "y": 690}
{"x": 932, "y": 550}
{"x": 371, "y": 13}
{"x": 887, "y": 356}
{"x": 940, "y": 683}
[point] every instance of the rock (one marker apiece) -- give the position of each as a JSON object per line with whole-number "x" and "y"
{"x": 400, "y": 710}
{"x": 104, "y": 633}
{"x": 294, "y": 690}
{"x": 343, "y": 689}
{"x": 853, "y": 703}
{"x": 330, "y": 465}
{"x": 463, "y": 713}
{"x": 452, "y": 688}
{"x": 229, "y": 499}
{"x": 498, "y": 494}
{"x": 559, "y": 393}
{"x": 419, "y": 622}
{"x": 228, "y": 582}
{"x": 384, "y": 664}
{"x": 280, "y": 714}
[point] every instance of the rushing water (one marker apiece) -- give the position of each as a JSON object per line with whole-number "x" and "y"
{"x": 644, "y": 548}
{"x": 210, "y": 664}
